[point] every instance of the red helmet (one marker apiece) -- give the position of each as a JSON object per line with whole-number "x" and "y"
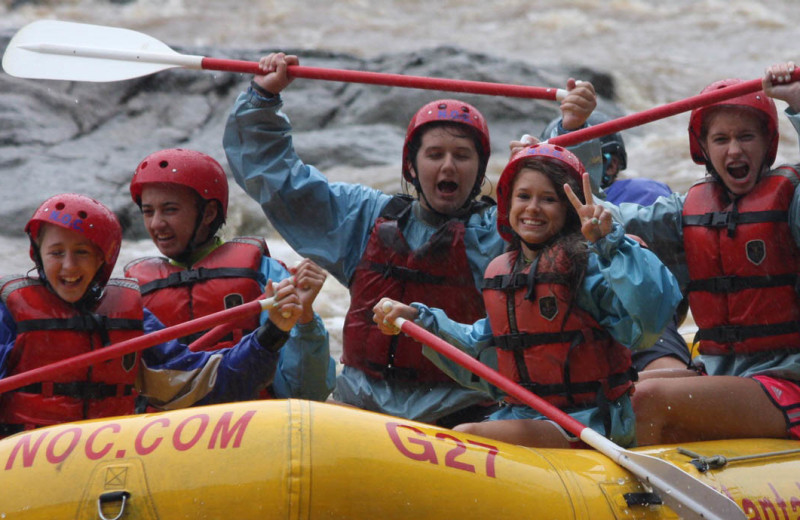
{"x": 755, "y": 100}
{"x": 83, "y": 215}
{"x": 542, "y": 151}
{"x": 195, "y": 170}
{"x": 453, "y": 111}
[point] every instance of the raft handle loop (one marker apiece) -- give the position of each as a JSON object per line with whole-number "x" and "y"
{"x": 704, "y": 464}
{"x": 112, "y": 496}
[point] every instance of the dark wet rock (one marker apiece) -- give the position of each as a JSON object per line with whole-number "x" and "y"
{"x": 58, "y": 136}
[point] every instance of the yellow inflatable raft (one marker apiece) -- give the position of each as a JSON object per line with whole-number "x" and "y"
{"x": 303, "y": 460}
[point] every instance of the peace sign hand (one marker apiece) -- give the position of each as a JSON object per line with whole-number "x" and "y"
{"x": 595, "y": 219}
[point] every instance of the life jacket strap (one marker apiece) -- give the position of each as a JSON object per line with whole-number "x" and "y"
{"x": 82, "y": 390}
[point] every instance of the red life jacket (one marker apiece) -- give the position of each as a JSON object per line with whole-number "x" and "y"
{"x": 228, "y": 276}
{"x": 561, "y": 354}
{"x": 743, "y": 265}
{"x": 50, "y": 330}
{"x": 437, "y": 273}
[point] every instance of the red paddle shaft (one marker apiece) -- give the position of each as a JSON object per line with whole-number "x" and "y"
{"x": 393, "y": 80}
{"x": 491, "y": 375}
{"x": 133, "y": 345}
{"x": 661, "y": 112}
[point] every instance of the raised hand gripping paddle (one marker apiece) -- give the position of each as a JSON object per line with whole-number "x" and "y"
{"x": 52, "y": 49}
{"x": 660, "y": 112}
{"x": 135, "y": 344}
{"x": 689, "y": 497}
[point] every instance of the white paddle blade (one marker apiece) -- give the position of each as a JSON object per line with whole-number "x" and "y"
{"x": 686, "y": 495}
{"x": 52, "y": 49}
{"x": 689, "y": 497}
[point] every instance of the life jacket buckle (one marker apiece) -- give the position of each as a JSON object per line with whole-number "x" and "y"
{"x": 720, "y": 219}
{"x": 724, "y": 284}
{"x": 729, "y": 334}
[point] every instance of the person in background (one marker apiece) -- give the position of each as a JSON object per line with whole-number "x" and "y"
{"x": 733, "y": 241}
{"x": 671, "y": 351}
{"x": 565, "y": 305}
{"x": 183, "y": 197}
{"x": 615, "y": 160}
{"x": 73, "y": 307}
{"x": 434, "y": 246}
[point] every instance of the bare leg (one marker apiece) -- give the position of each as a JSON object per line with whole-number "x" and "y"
{"x": 672, "y": 410}
{"x": 525, "y": 432}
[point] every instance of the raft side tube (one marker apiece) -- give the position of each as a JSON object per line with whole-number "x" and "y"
{"x": 293, "y": 459}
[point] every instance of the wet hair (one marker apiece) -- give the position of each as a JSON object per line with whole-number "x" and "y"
{"x": 713, "y": 111}
{"x": 200, "y": 205}
{"x": 215, "y": 225}
{"x": 570, "y": 238}
{"x": 456, "y": 130}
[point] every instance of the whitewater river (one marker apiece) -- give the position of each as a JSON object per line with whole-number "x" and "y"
{"x": 656, "y": 51}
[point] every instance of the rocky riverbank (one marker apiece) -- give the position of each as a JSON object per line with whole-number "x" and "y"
{"x": 58, "y": 136}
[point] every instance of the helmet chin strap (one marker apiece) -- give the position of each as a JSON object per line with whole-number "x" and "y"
{"x": 191, "y": 245}
{"x": 92, "y": 295}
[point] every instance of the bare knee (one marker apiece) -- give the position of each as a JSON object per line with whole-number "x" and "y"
{"x": 649, "y": 405}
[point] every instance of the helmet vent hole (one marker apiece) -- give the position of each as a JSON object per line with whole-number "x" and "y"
{"x": 59, "y": 206}
{"x": 163, "y": 164}
{"x": 442, "y": 106}
{"x": 83, "y": 215}
{"x": 465, "y": 109}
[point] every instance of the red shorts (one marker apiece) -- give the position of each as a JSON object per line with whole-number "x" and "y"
{"x": 786, "y": 396}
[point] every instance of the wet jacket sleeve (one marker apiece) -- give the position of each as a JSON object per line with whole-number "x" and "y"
{"x": 628, "y": 290}
{"x": 172, "y": 376}
{"x": 794, "y": 208}
{"x": 660, "y": 226}
{"x": 8, "y": 334}
{"x": 326, "y": 222}
{"x": 473, "y": 339}
{"x": 305, "y": 369}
